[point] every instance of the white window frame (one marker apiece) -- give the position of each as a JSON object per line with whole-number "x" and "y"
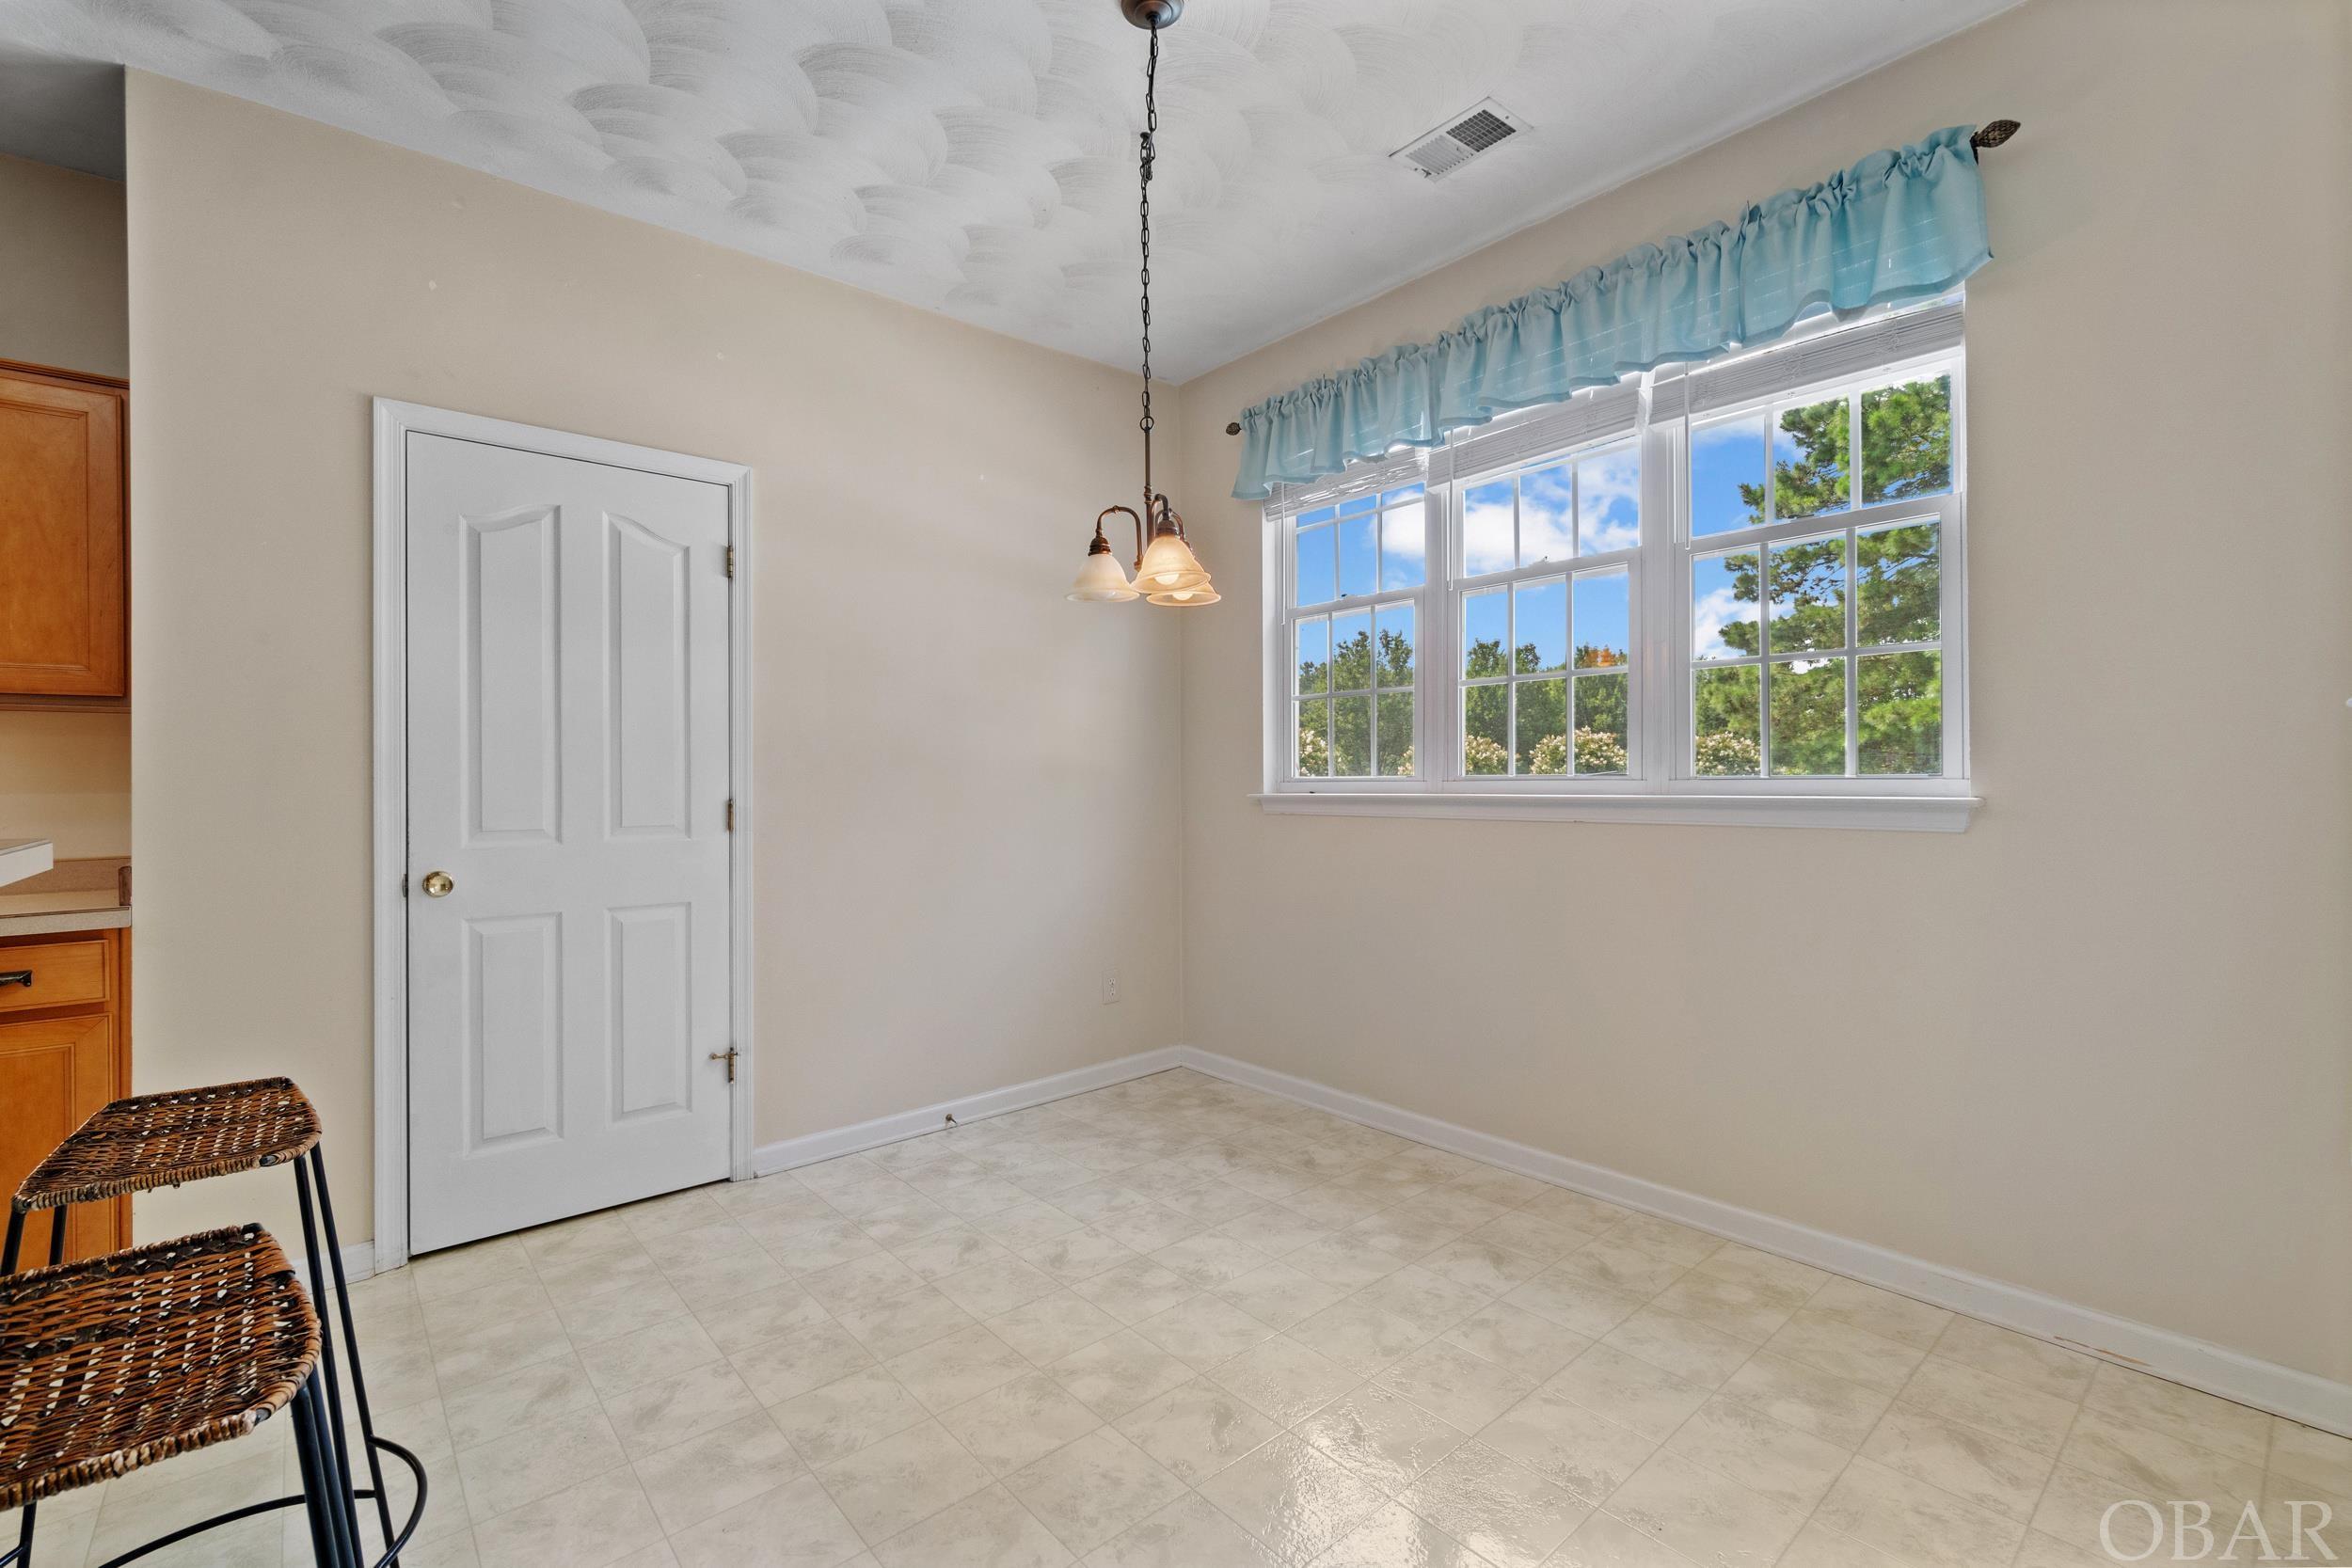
{"x": 1660, "y": 783}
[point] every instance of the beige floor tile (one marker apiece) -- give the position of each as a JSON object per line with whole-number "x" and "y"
{"x": 1051, "y": 1326}
{"x": 1484, "y": 1266}
{"x": 1688, "y": 1349}
{"x": 1629, "y": 1391}
{"x": 804, "y": 1246}
{"x": 1817, "y": 1547}
{"x": 478, "y": 1412}
{"x": 738, "y": 1323}
{"x": 1204, "y": 1330}
{"x": 2307, "y": 1453}
{"x": 1614, "y": 1263}
{"x": 1273, "y": 1230}
{"x": 1120, "y": 1373}
{"x": 1856, "y": 1355}
{"x": 1133, "y": 1290}
{"x": 1093, "y": 1488}
{"x": 1809, "y": 1398}
{"x": 866, "y": 1281}
{"x": 1603, "y": 1541}
{"x": 1736, "y": 1441}
{"x": 2148, "y": 1461}
{"x": 594, "y": 1523}
{"x": 656, "y": 1415}
{"x": 1497, "y": 1507}
{"x": 1431, "y": 1302}
{"x": 1342, "y": 1263}
{"x": 1512, "y": 1337}
{"x": 1296, "y": 1499}
{"x": 1662, "y": 1237}
{"x": 900, "y": 1222}
{"x": 1783, "y": 1277}
{"x": 1197, "y": 1430}
{"x": 802, "y": 1359}
{"x": 1207, "y": 1261}
{"x": 525, "y": 1466}
{"x": 2184, "y": 1413}
{"x": 1734, "y": 1306}
{"x": 1019, "y": 1423}
{"x": 796, "y": 1526}
{"x": 1360, "y": 1336}
{"x": 837, "y": 1419}
{"x": 1582, "y": 1453}
{"x": 1972, "y": 1465}
{"x": 1148, "y": 1229}
{"x": 1449, "y": 1382}
{"x": 1279, "y": 1295}
{"x": 1082, "y": 1254}
{"x": 1881, "y": 1312}
{"x": 2051, "y": 1368}
{"x": 1395, "y": 1535}
{"x": 1915, "y": 1522}
{"x": 468, "y": 1268}
{"x": 2074, "y": 1504}
{"x": 906, "y": 1322}
{"x": 961, "y": 1367}
{"x": 1574, "y": 1304}
{"x": 903, "y": 1481}
{"x": 998, "y": 1287}
{"x": 1381, "y": 1436}
{"x": 498, "y": 1346}
{"x": 706, "y": 1475}
{"x": 1190, "y": 1532}
{"x": 2009, "y": 1411}
{"x": 988, "y": 1530}
{"x": 1284, "y": 1378}
{"x": 948, "y": 1251}
{"x": 648, "y": 1356}
{"x": 1706, "y": 1516}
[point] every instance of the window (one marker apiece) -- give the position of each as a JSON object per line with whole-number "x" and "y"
{"x": 1726, "y": 592}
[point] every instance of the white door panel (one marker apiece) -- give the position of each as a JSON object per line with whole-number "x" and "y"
{"x": 567, "y": 760}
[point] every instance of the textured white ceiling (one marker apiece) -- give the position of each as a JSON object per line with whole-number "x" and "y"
{"x": 978, "y": 157}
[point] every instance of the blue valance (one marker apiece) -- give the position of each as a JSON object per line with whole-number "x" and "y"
{"x": 1898, "y": 225}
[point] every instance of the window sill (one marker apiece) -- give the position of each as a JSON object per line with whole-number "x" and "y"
{"x": 1929, "y": 814}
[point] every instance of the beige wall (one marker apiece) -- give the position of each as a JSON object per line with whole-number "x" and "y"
{"x": 955, "y": 769}
{"x": 2095, "y": 1046}
{"x": 65, "y": 776}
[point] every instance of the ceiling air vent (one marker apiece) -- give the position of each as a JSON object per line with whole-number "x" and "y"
{"x": 1462, "y": 137}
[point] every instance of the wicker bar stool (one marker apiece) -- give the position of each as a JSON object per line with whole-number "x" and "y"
{"x": 113, "y": 1363}
{"x": 165, "y": 1140}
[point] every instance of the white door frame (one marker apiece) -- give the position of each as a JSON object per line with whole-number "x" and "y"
{"x": 393, "y": 422}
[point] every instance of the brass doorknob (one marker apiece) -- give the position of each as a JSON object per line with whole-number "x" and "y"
{"x": 436, "y": 884}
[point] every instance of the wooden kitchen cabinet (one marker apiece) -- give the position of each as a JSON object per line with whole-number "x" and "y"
{"x": 64, "y": 601}
{"x": 65, "y": 1051}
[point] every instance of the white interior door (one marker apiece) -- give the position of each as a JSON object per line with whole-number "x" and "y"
{"x": 567, "y": 773}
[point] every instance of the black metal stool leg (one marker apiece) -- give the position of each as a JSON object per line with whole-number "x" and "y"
{"x": 16, "y": 1239}
{"x": 56, "y": 1236}
{"x": 21, "y": 1556}
{"x": 332, "y": 1417}
{"x": 315, "y": 1452}
{"x": 351, "y": 1349}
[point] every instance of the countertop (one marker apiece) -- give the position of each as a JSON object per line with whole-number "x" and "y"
{"x": 32, "y": 915}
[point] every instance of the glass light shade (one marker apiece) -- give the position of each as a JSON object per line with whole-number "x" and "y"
{"x": 1169, "y": 566}
{"x": 1187, "y": 598}
{"x": 1102, "y": 580}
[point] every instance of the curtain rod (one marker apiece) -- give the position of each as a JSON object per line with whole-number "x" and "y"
{"x": 1990, "y": 134}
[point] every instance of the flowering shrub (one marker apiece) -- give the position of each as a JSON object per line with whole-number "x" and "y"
{"x": 1726, "y": 754}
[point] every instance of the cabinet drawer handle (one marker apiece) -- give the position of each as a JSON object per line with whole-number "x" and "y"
{"x": 17, "y": 978}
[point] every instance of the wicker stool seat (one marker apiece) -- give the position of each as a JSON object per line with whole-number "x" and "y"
{"x": 162, "y": 1140}
{"x": 113, "y": 1363}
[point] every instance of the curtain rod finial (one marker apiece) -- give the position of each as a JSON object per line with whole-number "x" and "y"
{"x": 1233, "y": 427}
{"x": 1994, "y": 133}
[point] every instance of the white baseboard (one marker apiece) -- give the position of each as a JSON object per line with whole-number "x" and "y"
{"x": 2266, "y": 1386}
{"x": 807, "y": 1149}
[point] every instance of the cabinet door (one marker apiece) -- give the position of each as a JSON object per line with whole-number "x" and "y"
{"x": 61, "y": 538}
{"x": 54, "y": 1072}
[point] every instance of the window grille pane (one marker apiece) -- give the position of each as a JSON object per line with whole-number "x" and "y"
{"x": 1485, "y": 626}
{"x": 1351, "y": 651}
{"x": 1486, "y": 534}
{"x": 1727, "y": 721}
{"x": 1351, "y": 736}
{"x": 1314, "y": 656}
{"x": 1601, "y": 704}
{"x": 1542, "y": 745}
{"x": 1899, "y": 584}
{"x": 1486, "y": 722}
{"x": 1809, "y": 704}
{"x": 1608, "y": 501}
{"x": 1726, "y": 476}
{"x": 1603, "y": 620}
{"x": 1359, "y": 558}
{"x": 1403, "y": 547}
{"x": 1724, "y": 590}
{"x": 1314, "y": 739}
{"x": 1313, "y": 572}
{"x": 1899, "y": 713}
{"x": 1539, "y": 626}
{"x": 1547, "y": 514}
{"x": 1395, "y": 740}
{"x": 1907, "y": 440}
{"x": 1393, "y": 645}
{"x": 1809, "y": 460}
{"x": 1808, "y": 608}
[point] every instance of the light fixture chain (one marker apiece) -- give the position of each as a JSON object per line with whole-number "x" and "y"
{"x": 1150, "y": 135}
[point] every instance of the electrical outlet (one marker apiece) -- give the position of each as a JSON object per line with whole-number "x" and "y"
{"x": 1110, "y": 985}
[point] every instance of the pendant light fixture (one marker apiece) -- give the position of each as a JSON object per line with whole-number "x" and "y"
{"x": 1167, "y": 570}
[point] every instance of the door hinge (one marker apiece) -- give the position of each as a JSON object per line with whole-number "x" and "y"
{"x": 730, "y": 814}
{"x": 730, "y": 561}
{"x": 727, "y": 1056}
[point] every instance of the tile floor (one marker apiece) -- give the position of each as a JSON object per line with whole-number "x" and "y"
{"x": 1176, "y": 1324}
